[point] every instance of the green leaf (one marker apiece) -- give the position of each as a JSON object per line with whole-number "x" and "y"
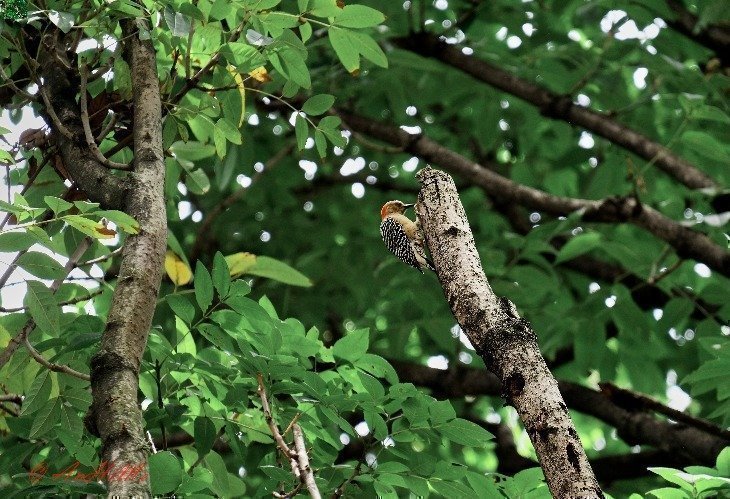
{"x": 352, "y": 346}
{"x": 219, "y": 139}
{"x": 465, "y": 432}
{"x": 321, "y": 142}
{"x": 723, "y": 462}
{"x": 324, "y": 8}
{"x": 165, "y": 472}
{"x": 669, "y": 493}
{"x": 260, "y": 4}
{"x": 277, "y": 22}
{"x": 192, "y": 150}
{"x": 123, "y": 221}
{"x": 43, "y": 308}
{"x": 89, "y": 227}
{"x": 301, "y": 131}
{"x": 318, "y": 104}
{"x": 47, "y": 417}
{"x": 205, "y": 435}
{"x": 278, "y": 271}
{"x": 452, "y": 490}
{"x": 231, "y": 133}
{"x": 295, "y": 67}
{"x": 38, "y": 393}
{"x": 122, "y": 78}
{"x": 41, "y": 265}
{"x": 64, "y": 20}
{"x": 181, "y": 307}
{"x": 705, "y": 145}
{"x": 203, "y": 287}
{"x": 86, "y": 206}
{"x": 244, "y": 56}
{"x": 13, "y": 241}
{"x": 344, "y": 46}
{"x": 57, "y": 205}
{"x": 359, "y": 16}
{"x": 178, "y": 23}
{"x": 221, "y": 275}
{"x": 370, "y": 50}
{"x": 710, "y": 113}
{"x": 221, "y": 485}
{"x": 578, "y": 245}
{"x": 197, "y": 181}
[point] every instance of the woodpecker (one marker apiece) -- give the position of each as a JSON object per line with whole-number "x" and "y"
{"x": 402, "y": 236}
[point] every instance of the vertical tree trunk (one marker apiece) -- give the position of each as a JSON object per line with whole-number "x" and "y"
{"x": 505, "y": 341}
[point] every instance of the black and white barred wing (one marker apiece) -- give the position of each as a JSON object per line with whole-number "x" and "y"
{"x": 397, "y": 241}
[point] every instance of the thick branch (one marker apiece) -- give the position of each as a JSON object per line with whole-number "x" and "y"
{"x": 504, "y": 340}
{"x": 687, "y": 242}
{"x": 714, "y": 37}
{"x": 634, "y": 427}
{"x": 115, "y": 413}
{"x": 560, "y": 107}
{"x": 89, "y": 175}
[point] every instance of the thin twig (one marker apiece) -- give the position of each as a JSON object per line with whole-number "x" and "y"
{"x": 192, "y": 82}
{"x": 339, "y": 491}
{"x": 108, "y": 128}
{"x": 102, "y": 258}
{"x": 210, "y": 217}
{"x": 14, "y": 87}
{"x": 19, "y": 338}
{"x": 59, "y": 368}
{"x": 304, "y": 467}
{"x": 71, "y": 301}
{"x": 270, "y": 420}
{"x": 631, "y": 400}
{"x": 54, "y": 117}
{"x": 90, "y": 142}
{"x": 28, "y": 183}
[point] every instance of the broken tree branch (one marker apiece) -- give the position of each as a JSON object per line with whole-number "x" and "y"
{"x": 505, "y": 341}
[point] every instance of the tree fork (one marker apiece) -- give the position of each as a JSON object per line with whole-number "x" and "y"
{"x": 505, "y": 341}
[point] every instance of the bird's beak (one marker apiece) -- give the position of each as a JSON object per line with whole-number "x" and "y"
{"x": 411, "y": 205}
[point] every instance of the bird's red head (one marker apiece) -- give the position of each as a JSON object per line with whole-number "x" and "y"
{"x": 393, "y": 207}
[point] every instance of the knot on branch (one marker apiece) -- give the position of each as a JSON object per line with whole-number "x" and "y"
{"x": 105, "y": 364}
{"x": 512, "y": 387}
{"x": 557, "y": 106}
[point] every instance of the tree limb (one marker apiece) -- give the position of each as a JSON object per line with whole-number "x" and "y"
{"x": 89, "y": 175}
{"x": 504, "y": 340}
{"x": 714, "y": 37}
{"x": 560, "y": 107}
{"x": 115, "y": 414}
{"x": 634, "y": 427}
{"x": 90, "y": 141}
{"x": 687, "y": 242}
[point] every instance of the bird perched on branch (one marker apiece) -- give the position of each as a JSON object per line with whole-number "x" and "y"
{"x": 402, "y": 236}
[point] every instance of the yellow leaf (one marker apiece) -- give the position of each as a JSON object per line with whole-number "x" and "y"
{"x": 241, "y": 90}
{"x": 238, "y": 263}
{"x": 260, "y": 74}
{"x": 177, "y": 270}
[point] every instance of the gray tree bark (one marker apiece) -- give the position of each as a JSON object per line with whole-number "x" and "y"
{"x": 505, "y": 341}
{"x": 115, "y": 414}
